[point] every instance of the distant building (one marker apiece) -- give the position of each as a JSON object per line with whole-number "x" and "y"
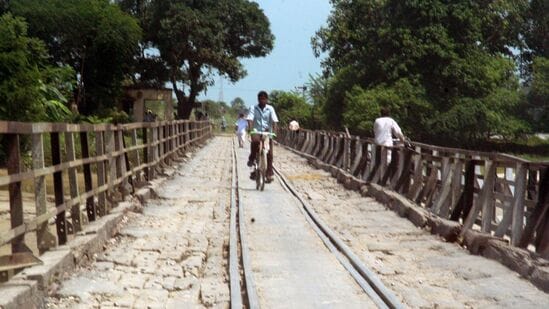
{"x": 141, "y": 99}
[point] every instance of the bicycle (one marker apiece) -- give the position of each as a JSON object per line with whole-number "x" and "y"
{"x": 260, "y": 164}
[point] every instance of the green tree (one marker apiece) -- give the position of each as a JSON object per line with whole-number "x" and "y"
{"x": 317, "y": 91}
{"x": 534, "y": 33}
{"x": 538, "y": 97}
{"x": 199, "y": 38}
{"x": 30, "y": 89}
{"x": 405, "y": 100}
{"x": 291, "y": 106}
{"x": 95, "y": 37}
{"x": 238, "y": 105}
{"x": 454, "y": 57}
{"x": 20, "y": 60}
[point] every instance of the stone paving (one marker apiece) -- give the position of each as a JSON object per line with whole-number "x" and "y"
{"x": 173, "y": 254}
{"x": 422, "y": 269}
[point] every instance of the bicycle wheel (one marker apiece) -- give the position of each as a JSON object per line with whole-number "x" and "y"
{"x": 258, "y": 179}
{"x": 263, "y": 168}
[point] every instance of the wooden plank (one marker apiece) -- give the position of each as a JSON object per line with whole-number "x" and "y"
{"x": 162, "y": 136}
{"x": 137, "y": 154}
{"x": 325, "y": 147}
{"x": 88, "y": 182}
{"x": 336, "y": 153}
{"x": 318, "y": 143}
{"x": 358, "y": 157}
{"x": 15, "y": 194}
{"x": 151, "y": 138}
{"x": 465, "y": 202}
{"x": 60, "y": 220}
{"x": 536, "y": 218}
{"x": 487, "y": 196}
{"x": 44, "y": 239}
{"x": 76, "y": 215}
{"x": 403, "y": 183}
{"x": 111, "y": 167}
{"x": 146, "y": 151}
{"x": 542, "y": 226}
{"x": 440, "y": 206}
{"x": 484, "y": 201}
{"x": 18, "y": 261}
{"x": 417, "y": 178}
{"x": 518, "y": 204}
{"x": 427, "y": 190}
{"x": 101, "y": 174}
{"x": 456, "y": 189}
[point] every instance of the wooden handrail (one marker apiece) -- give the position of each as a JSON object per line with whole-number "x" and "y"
{"x": 109, "y": 160}
{"x": 499, "y": 194}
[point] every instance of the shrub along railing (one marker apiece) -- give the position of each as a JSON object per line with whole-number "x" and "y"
{"x": 498, "y": 194}
{"x": 119, "y": 157}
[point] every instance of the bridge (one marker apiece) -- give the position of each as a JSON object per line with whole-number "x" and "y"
{"x": 163, "y": 215}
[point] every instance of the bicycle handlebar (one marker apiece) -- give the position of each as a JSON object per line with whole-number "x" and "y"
{"x": 263, "y": 133}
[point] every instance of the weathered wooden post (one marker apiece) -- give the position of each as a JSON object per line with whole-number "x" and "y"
{"x": 60, "y": 220}
{"x": 88, "y": 185}
{"x": 44, "y": 239}
{"x": 101, "y": 172}
{"x": 16, "y": 197}
{"x": 517, "y": 222}
{"x": 76, "y": 215}
{"x": 151, "y": 150}
{"x": 112, "y": 168}
{"x": 466, "y": 199}
{"x": 187, "y": 135}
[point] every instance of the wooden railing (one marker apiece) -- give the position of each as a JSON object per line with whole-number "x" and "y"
{"x": 502, "y": 195}
{"x": 91, "y": 166}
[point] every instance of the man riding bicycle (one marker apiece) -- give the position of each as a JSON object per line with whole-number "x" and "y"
{"x": 262, "y": 118}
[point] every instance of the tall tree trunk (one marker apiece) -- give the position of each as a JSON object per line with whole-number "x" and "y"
{"x": 184, "y": 109}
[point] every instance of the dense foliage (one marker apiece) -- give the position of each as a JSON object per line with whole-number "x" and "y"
{"x": 291, "y": 106}
{"x": 30, "y": 88}
{"x": 447, "y": 70}
{"x": 94, "y": 37}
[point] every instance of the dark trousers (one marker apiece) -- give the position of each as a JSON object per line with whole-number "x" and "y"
{"x": 254, "y": 149}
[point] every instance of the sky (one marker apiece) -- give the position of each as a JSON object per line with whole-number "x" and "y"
{"x": 293, "y": 23}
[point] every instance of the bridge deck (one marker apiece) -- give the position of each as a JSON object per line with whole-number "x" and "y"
{"x": 174, "y": 253}
{"x": 291, "y": 266}
{"x": 422, "y": 269}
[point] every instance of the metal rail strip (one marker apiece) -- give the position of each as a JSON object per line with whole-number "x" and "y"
{"x": 234, "y": 264}
{"x": 239, "y": 224}
{"x": 368, "y": 281}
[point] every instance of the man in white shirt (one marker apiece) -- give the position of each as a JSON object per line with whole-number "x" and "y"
{"x": 262, "y": 118}
{"x": 241, "y": 126}
{"x": 384, "y": 129}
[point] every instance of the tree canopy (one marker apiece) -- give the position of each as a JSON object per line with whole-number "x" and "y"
{"x": 95, "y": 37}
{"x": 30, "y": 88}
{"x": 291, "y": 106}
{"x": 197, "y": 39}
{"x": 446, "y": 70}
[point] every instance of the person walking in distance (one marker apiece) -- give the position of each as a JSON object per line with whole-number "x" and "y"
{"x": 384, "y": 129}
{"x": 262, "y": 118}
{"x": 241, "y": 126}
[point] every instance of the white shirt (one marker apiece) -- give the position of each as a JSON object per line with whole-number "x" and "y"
{"x": 241, "y": 124}
{"x": 294, "y": 125}
{"x": 384, "y": 128}
{"x": 263, "y": 119}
